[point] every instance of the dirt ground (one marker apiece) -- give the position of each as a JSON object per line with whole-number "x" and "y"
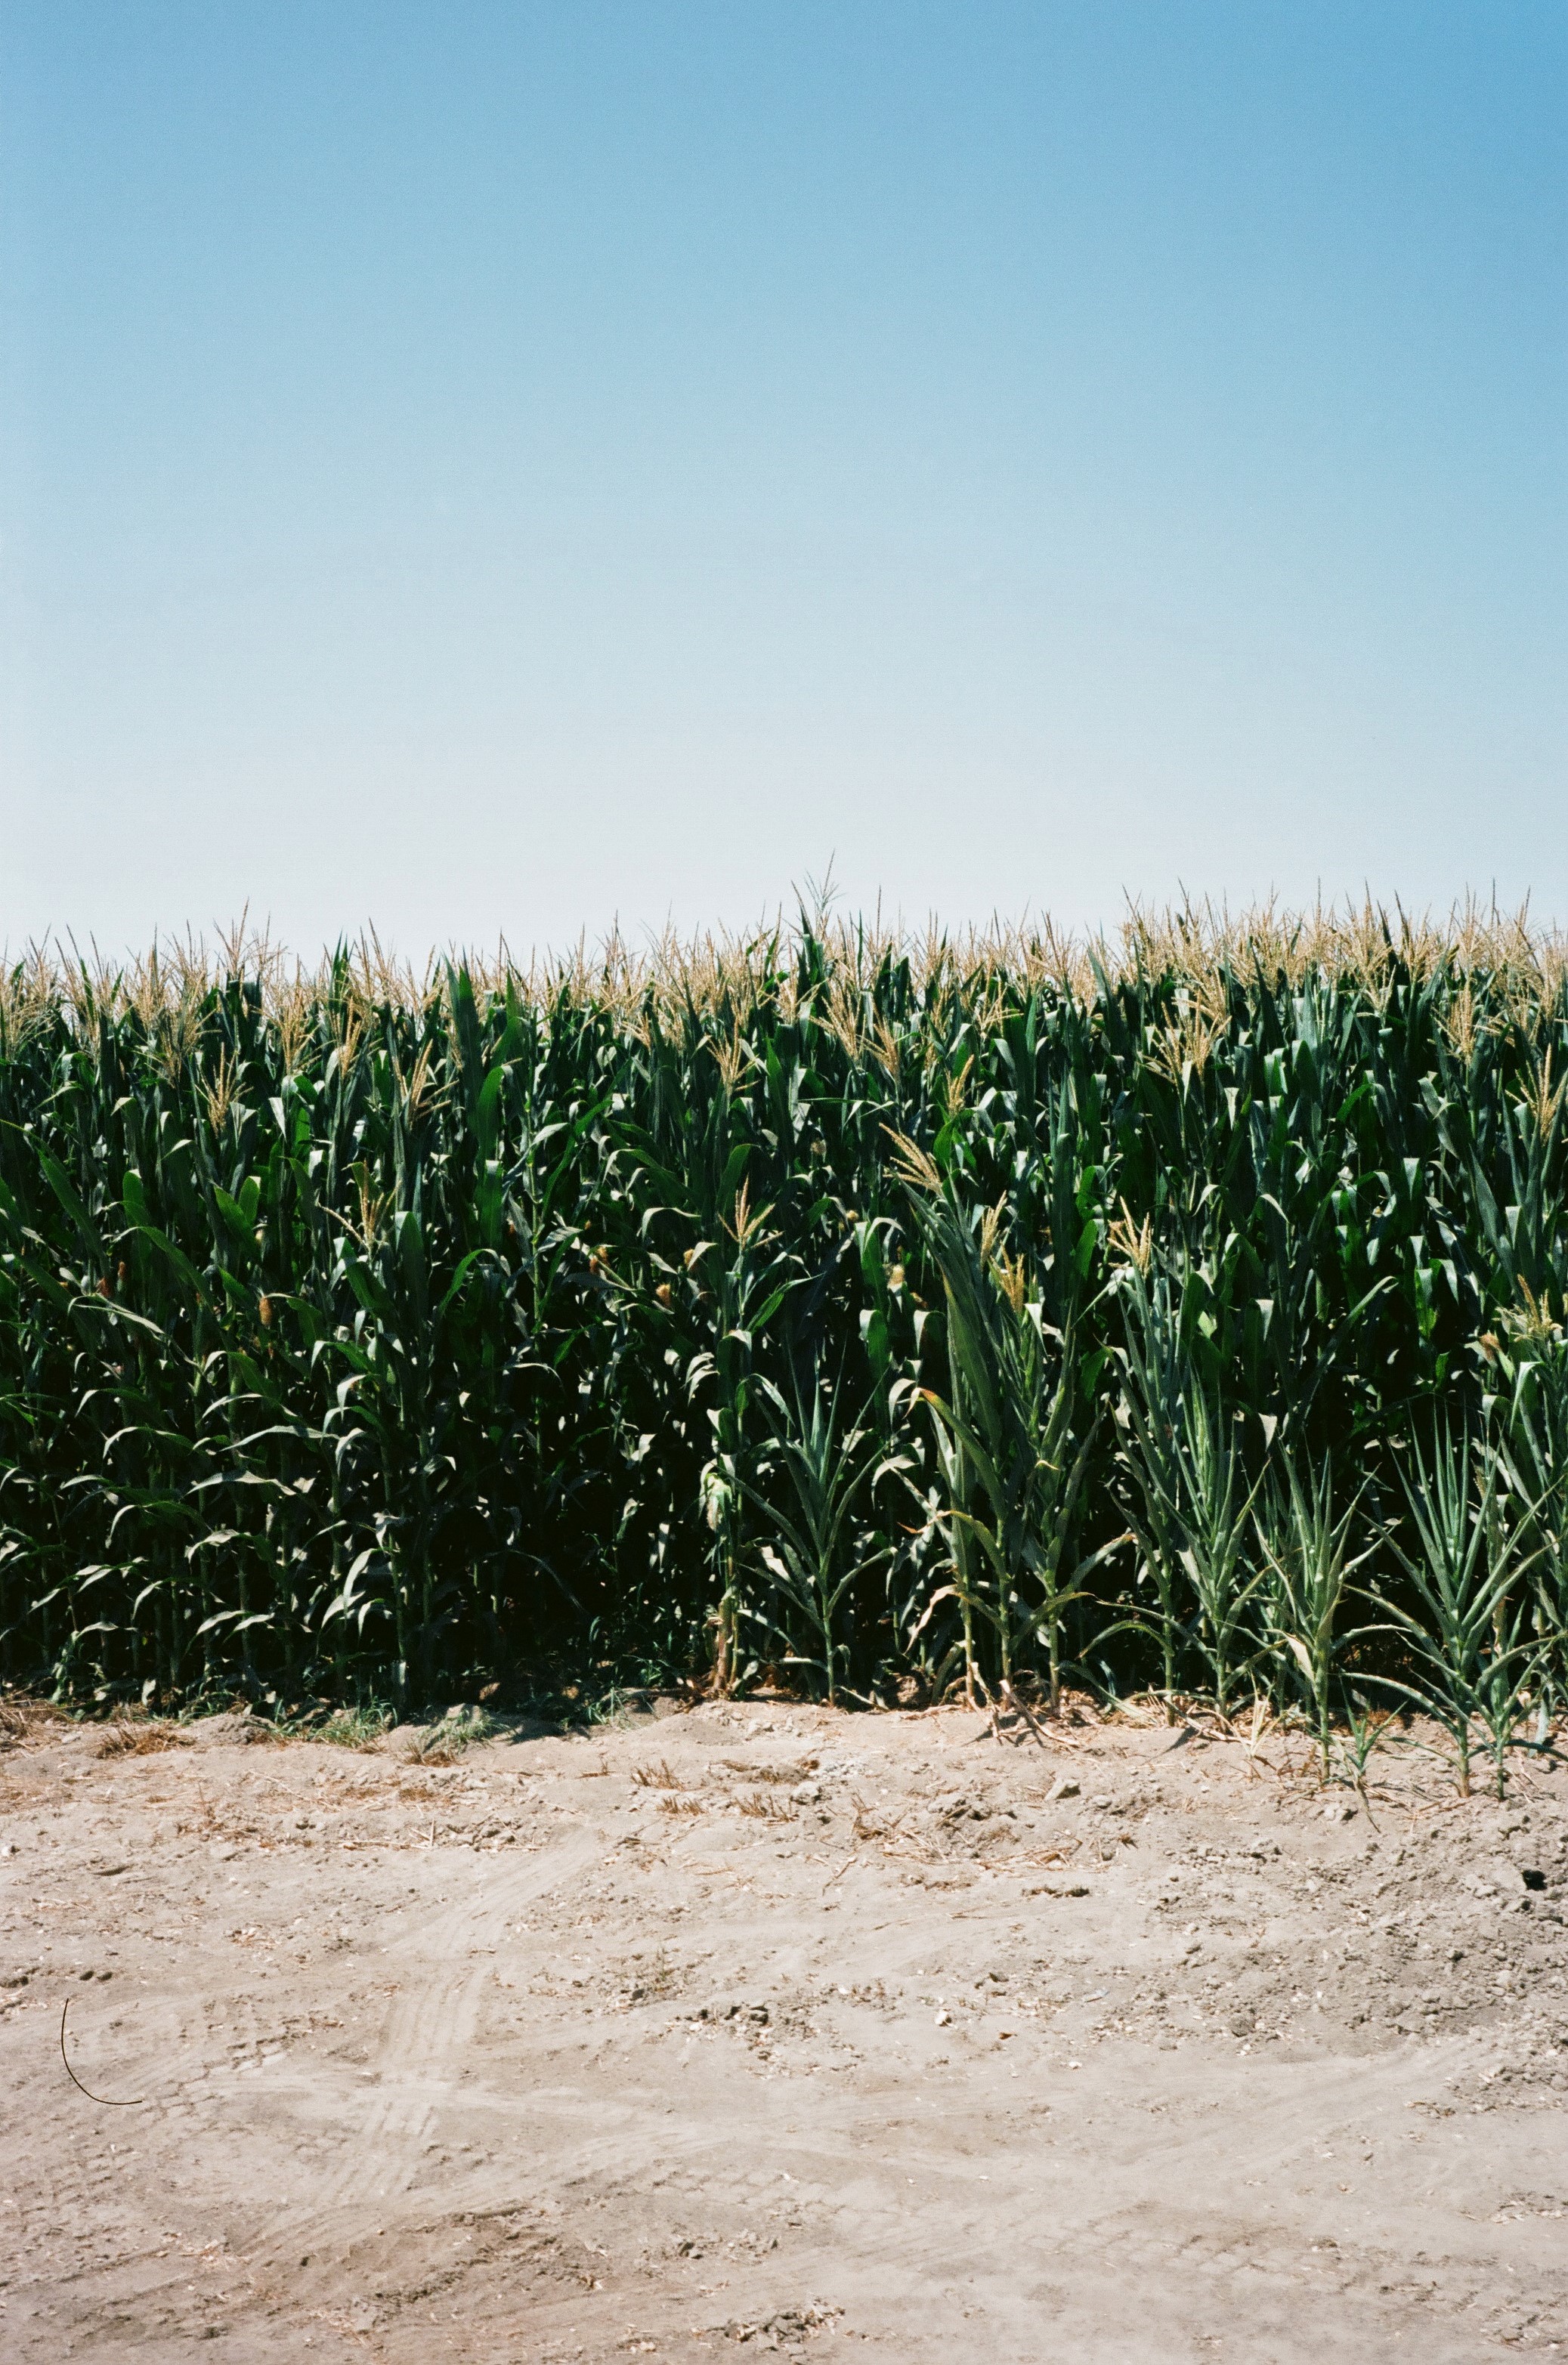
{"x": 762, "y": 2027}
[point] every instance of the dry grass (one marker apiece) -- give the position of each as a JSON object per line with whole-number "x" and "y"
{"x": 438, "y": 1748}
{"x": 23, "y": 1718}
{"x": 135, "y": 1738}
{"x": 662, "y": 1776}
{"x": 444, "y": 1743}
{"x": 766, "y": 1805}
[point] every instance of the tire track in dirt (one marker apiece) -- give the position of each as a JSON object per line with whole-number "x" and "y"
{"x": 427, "y": 2032}
{"x": 580, "y": 2111}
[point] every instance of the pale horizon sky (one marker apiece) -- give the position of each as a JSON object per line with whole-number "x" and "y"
{"x": 497, "y": 469}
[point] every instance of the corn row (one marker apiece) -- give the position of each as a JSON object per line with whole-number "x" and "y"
{"x": 821, "y": 1303}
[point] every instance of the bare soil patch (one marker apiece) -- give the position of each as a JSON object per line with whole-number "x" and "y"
{"x": 765, "y": 2029}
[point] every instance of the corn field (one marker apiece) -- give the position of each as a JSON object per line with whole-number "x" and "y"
{"x": 830, "y": 1309}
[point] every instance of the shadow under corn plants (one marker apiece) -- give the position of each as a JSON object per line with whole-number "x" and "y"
{"x": 869, "y": 1309}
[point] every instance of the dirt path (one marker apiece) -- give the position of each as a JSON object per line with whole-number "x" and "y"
{"x": 764, "y": 2028}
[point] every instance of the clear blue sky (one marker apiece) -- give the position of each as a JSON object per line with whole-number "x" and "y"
{"x": 481, "y": 467}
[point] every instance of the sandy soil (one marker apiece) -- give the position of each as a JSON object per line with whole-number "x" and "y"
{"x": 763, "y": 2028}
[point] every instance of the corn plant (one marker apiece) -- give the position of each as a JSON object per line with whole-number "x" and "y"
{"x": 819, "y": 1462}
{"x": 748, "y": 1292}
{"x": 1006, "y": 1430}
{"x": 1150, "y": 1412}
{"x": 1215, "y": 1506}
{"x": 377, "y": 1334}
{"x": 1189, "y": 1503}
{"x": 1466, "y": 1634}
{"x": 1533, "y": 1450}
{"x": 1310, "y": 1564}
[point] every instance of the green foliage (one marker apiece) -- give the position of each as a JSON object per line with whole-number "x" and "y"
{"x": 1468, "y": 1628}
{"x": 813, "y": 1553}
{"x": 1309, "y": 1564}
{"x": 1013, "y": 1467}
{"x": 1188, "y": 1499}
{"x": 816, "y": 1303}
